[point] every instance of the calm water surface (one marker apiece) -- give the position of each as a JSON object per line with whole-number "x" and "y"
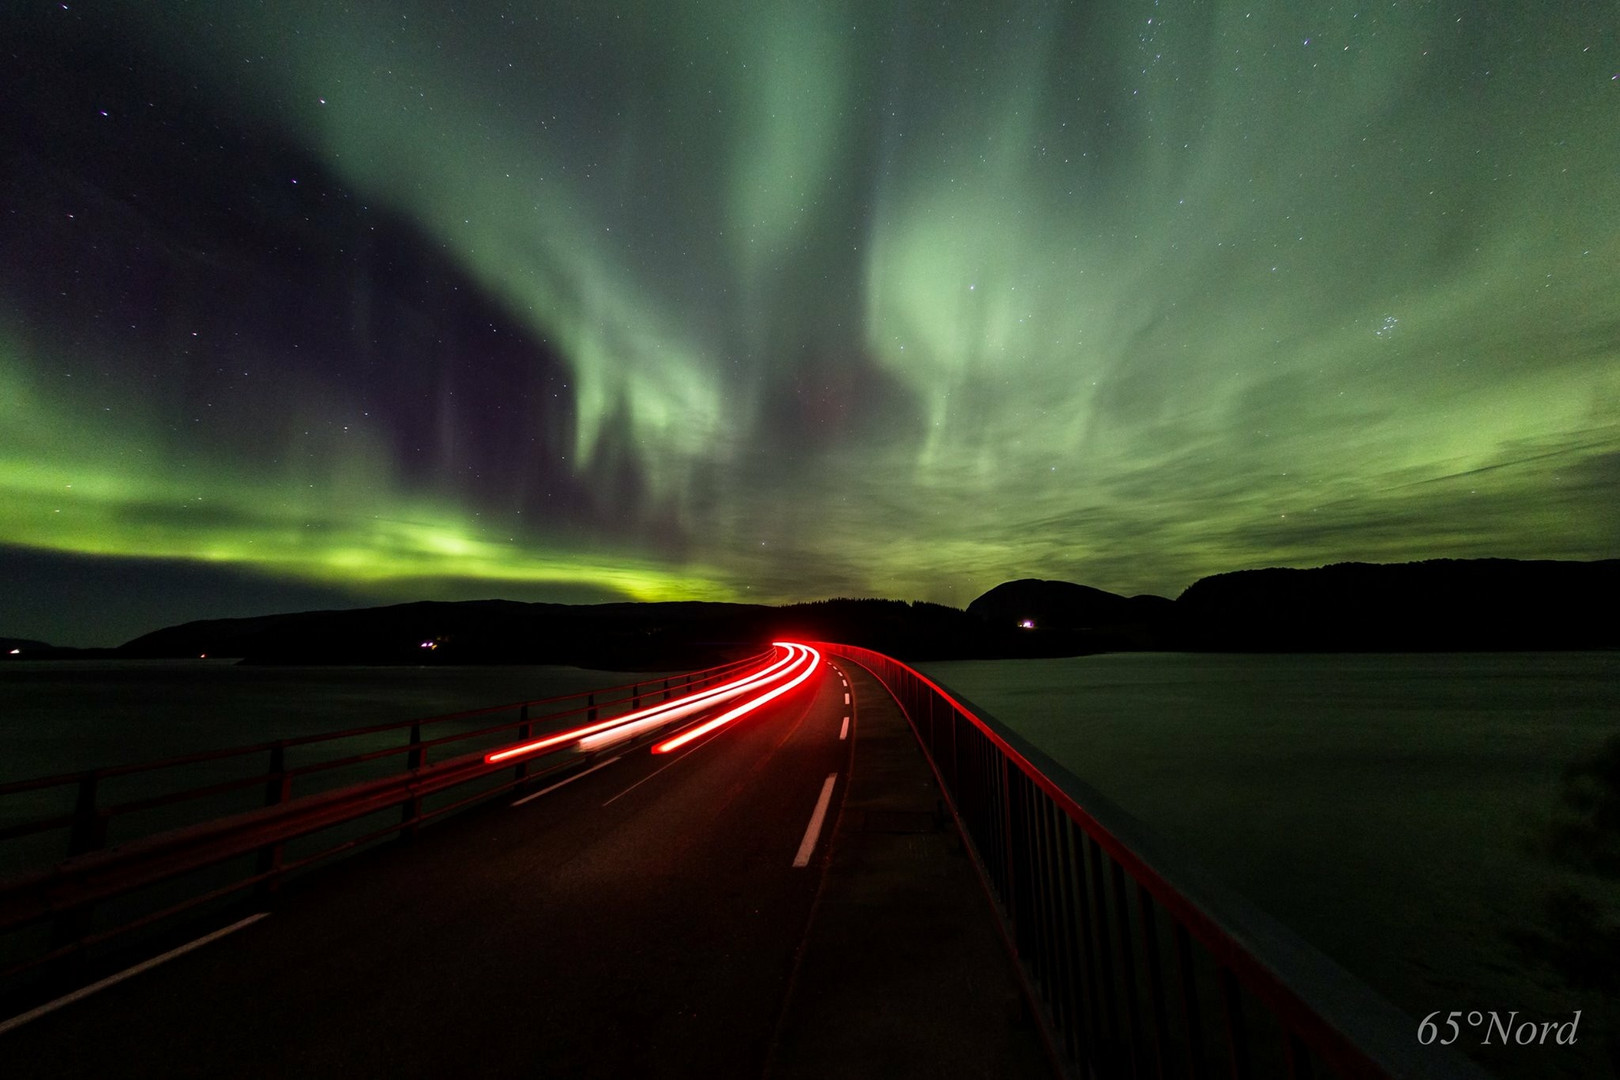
{"x": 1380, "y": 805}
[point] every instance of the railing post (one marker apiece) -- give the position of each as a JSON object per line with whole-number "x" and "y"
{"x": 1108, "y": 990}
{"x": 1007, "y": 837}
{"x": 1127, "y": 968}
{"x": 1296, "y": 1059}
{"x": 666, "y": 689}
{"x": 590, "y": 710}
{"x": 277, "y": 785}
{"x": 1189, "y": 1003}
{"x": 277, "y": 790}
{"x": 414, "y": 759}
{"x": 1072, "y": 948}
{"x": 89, "y": 826}
{"x": 635, "y": 697}
{"x": 412, "y": 809}
{"x": 520, "y": 771}
{"x": 1155, "y": 980}
{"x": 1041, "y": 957}
{"x": 1237, "y": 1041}
{"x": 89, "y": 834}
{"x": 1017, "y": 891}
{"x": 1091, "y": 982}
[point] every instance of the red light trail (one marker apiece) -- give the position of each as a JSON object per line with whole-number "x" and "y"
{"x": 811, "y": 659}
{"x": 594, "y": 736}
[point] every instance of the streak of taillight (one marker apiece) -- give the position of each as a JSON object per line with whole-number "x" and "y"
{"x": 680, "y": 710}
{"x": 746, "y": 707}
{"x": 703, "y": 697}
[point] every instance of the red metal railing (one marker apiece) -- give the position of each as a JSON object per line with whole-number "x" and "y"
{"x": 178, "y": 829}
{"x": 1094, "y": 904}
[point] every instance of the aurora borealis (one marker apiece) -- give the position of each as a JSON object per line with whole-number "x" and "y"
{"x": 313, "y": 302}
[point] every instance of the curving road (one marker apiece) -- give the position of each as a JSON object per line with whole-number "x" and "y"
{"x": 641, "y": 919}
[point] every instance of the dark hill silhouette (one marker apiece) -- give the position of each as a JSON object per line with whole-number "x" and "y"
{"x": 625, "y": 636}
{"x": 1479, "y": 604}
{"x": 1438, "y": 604}
{"x": 1063, "y": 605}
{"x": 1066, "y": 619}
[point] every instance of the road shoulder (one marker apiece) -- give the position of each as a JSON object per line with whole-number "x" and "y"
{"x": 903, "y": 972}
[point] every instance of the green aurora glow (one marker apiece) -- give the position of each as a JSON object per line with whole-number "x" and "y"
{"x": 897, "y": 299}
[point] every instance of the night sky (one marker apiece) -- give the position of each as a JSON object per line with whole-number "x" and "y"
{"x": 317, "y": 304}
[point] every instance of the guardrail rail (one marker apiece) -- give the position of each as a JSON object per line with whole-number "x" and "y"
{"x": 139, "y": 844}
{"x": 1137, "y": 958}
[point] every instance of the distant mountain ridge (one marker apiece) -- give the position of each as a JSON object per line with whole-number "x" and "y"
{"x": 1454, "y": 604}
{"x": 1061, "y": 618}
{"x": 1063, "y": 605}
{"x": 1440, "y": 604}
{"x": 624, "y": 636}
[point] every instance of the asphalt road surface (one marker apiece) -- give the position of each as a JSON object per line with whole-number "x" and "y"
{"x": 641, "y": 920}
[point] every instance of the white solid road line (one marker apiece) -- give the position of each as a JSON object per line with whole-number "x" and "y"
{"x": 843, "y": 732}
{"x": 808, "y": 844}
{"x": 68, "y": 999}
{"x": 570, "y": 780}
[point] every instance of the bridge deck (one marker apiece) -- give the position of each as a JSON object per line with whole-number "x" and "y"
{"x": 645, "y": 919}
{"x": 904, "y": 973}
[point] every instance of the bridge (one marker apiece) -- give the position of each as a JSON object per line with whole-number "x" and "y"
{"x": 812, "y": 862}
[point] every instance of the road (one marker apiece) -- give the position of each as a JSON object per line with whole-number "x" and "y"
{"x": 641, "y": 920}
